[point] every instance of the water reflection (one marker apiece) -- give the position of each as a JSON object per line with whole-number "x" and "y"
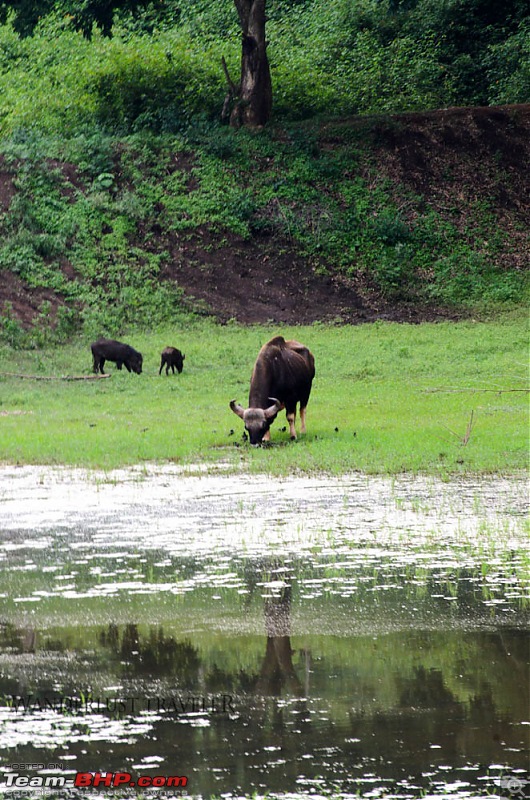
{"x": 277, "y": 674}
{"x": 337, "y": 653}
{"x": 282, "y": 714}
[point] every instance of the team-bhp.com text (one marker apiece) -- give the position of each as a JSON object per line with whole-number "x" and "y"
{"x": 81, "y": 779}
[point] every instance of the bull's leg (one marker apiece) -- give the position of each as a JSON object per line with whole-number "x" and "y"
{"x": 102, "y": 365}
{"x": 266, "y": 436}
{"x": 291, "y": 416}
{"x": 128, "y": 366}
{"x": 161, "y": 365}
{"x": 95, "y": 365}
{"x": 302, "y": 419}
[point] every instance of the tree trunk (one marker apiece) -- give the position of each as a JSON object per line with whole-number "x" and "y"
{"x": 254, "y": 102}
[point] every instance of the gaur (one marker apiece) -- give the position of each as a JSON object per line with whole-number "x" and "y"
{"x": 172, "y": 357}
{"x": 282, "y": 375}
{"x": 118, "y": 352}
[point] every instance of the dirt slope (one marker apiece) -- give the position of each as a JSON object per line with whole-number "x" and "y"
{"x": 453, "y": 158}
{"x": 450, "y": 157}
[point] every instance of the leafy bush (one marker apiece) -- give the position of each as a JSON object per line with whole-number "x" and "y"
{"x": 159, "y": 73}
{"x": 11, "y": 330}
{"x": 158, "y": 85}
{"x": 508, "y": 66}
{"x": 62, "y": 83}
{"x": 468, "y": 30}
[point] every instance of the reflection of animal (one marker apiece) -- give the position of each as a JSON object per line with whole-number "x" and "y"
{"x": 109, "y": 350}
{"x": 283, "y": 373}
{"x": 172, "y": 357}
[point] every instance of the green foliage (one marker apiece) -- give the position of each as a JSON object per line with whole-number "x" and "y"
{"x": 162, "y": 67}
{"x": 96, "y": 211}
{"x": 33, "y": 232}
{"x": 92, "y": 222}
{"x": 58, "y": 81}
{"x": 11, "y": 331}
{"x": 158, "y": 84}
{"x": 337, "y": 61}
{"x": 41, "y": 333}
{"x": 468, "y": 30}
{"x": 508, "y": 65}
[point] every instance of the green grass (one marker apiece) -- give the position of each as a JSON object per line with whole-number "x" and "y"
{"x": 386, "y": 398}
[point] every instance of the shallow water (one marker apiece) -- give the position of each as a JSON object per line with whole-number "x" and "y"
{"x": 293, "y": 637}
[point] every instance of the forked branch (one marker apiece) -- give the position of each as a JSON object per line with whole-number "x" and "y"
{"x": 466, "y": 437}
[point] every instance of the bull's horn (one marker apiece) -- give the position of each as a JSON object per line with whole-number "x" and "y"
{"x": 278, "y": 403}
{"x": 237, "y": 409}
{"x": 271, "y": 411}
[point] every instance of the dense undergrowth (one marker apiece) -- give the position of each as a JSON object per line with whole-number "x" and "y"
{"x": 163, "y": 67}
{"x": 108, "y": 146}
{"x": 104, "y": 207}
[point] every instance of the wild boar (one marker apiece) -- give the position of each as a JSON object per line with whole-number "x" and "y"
{"x": 118, "y": 352}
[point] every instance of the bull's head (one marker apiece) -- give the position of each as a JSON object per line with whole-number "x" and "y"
{"x": 257, "y": 420}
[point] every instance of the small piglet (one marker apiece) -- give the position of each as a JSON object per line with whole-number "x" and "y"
{"x": 172, "y": 357}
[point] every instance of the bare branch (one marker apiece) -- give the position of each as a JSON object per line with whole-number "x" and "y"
{"x": 56, "y": 377}
{"x": 466, "y": 437}
{"x": 233, "y": 87}
{"x": 472, "y": 390}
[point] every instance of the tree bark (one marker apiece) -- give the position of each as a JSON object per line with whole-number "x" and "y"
{"x": 254, "y": 102}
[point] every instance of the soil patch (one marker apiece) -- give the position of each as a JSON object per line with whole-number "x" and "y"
{"x": 266, "y": 280}
{"x": 25, "y": 303}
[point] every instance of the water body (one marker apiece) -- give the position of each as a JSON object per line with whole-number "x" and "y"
{"x": 299, "y": 637}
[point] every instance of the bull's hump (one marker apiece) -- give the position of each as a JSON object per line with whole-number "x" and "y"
{"x": 278, "y": 341}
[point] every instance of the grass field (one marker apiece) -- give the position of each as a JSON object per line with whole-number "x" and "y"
{"x": 437, "y": 398}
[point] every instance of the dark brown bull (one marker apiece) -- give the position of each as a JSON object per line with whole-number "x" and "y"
{"x": 172, "y": 357}
{"x": 110, "y": 350}
{"x": 283, "y": 373}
